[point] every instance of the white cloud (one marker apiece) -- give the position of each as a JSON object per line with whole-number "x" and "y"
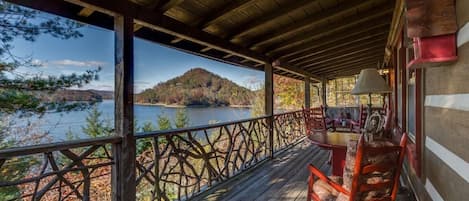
{"x": 252, "y": 82}
{"x": 139, "y": 86}
{"x": 37, "y": 62}
{"x": 69, "y": 62}
{"x": 98, "y": 86}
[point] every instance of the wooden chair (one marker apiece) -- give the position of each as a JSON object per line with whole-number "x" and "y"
{"x": 357, "y": 126}
{"x": 314, "y": 120}
{"x": 363, "y": 170}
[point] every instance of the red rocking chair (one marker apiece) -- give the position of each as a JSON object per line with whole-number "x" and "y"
{"x": 364, "y": 179}
{"x": 314, "y": 120}
{"x": 357, "y": 126}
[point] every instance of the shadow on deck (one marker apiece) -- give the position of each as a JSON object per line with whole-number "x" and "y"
{"x": 284, "y": 178}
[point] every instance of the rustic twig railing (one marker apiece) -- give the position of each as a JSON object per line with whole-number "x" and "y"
{"x": 289, "y": 128}
{"x": 184, "y": 162}
{"x": 58, "y": 171}
{"x": 172, "y": 165}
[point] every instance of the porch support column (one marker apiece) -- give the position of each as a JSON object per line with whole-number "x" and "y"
{"x": 307, "y": 92}
{"x": 269, "y": 103}
{"x": 324, "y": 92}
{"x": 123, "y": 171}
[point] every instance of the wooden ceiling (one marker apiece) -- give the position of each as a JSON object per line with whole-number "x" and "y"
{"x": 317, "y": 38}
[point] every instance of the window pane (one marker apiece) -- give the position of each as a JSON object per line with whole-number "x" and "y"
{"x": 411, "y": 104}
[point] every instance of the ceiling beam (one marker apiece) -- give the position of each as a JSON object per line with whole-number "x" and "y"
{"x": 336, "y": 55}
{"x": 86, "y": 12}
{"x": 348, "y": 69}
{"x": 161, "y": 6}
{"x": 350, "y": 55}
{"x": 227, "y": 56}
{"x": 374, "y": 56}
{"x": 285, "y": 66}
{"x": 232, "y": 6}
{"x": 205, "y": 49}
{"x": 310, "y": 21}
{"x": 350, "y": 22}
{"x": 137, "y": 27}
{"x": 355, "y": 33}
{"x": 168, "y": 5}
{"x": 269, "y": 17}
{"x": 346, "y": 66}
{"x": 212, "y": 18}
{"x": 351, "y": 71}
{"x": 341, "y": 48}
{"x": 170, "y": 26}
{"x": 177, "y": 40}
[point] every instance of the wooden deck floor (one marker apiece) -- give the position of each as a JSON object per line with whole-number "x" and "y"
{"x": 284, "y": 178}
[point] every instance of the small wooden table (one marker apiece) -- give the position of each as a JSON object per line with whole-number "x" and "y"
{"x": 337, "y": 143}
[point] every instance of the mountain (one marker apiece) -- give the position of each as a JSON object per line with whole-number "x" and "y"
{"x": 79, "y": 95}
{"x": 197, "y": 87}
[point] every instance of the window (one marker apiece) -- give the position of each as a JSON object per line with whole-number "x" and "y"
{"x": 411, "y": 98}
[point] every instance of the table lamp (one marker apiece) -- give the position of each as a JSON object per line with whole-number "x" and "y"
{"x": 370, "y": 82}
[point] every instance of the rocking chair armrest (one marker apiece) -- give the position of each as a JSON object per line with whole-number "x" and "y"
{"x": 355, "y": 123}
{"x": 316, "y": 172}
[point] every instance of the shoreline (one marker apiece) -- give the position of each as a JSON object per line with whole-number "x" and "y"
{"x": 193, "y": 106}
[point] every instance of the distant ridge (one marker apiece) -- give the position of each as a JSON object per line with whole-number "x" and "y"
{"x": 78, "y": 95}
{"x": 197, "y": 87}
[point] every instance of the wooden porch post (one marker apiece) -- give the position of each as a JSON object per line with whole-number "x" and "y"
{"x": 324, "y": 92}
{"x": 269, "y": 103}
{"x": 123, "y": 171}
{"x": 307, "y": 92}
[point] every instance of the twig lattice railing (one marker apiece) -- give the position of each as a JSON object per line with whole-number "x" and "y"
{"x": 174, "y": 165}
{"x": 289, "y": 128}
{"x": 60, "y": 171}
{"x": 184, "y": 162}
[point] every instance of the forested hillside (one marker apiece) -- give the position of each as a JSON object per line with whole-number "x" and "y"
{"x": 76, "y": 95}
{"x": 197, "y": 87}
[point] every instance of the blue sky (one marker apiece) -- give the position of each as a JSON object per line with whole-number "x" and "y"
{"x": 153, "y": 63}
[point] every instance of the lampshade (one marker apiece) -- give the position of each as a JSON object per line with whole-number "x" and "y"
{"x": 370, "y": 82}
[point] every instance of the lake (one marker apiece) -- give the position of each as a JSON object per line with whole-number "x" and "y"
{"x": 58, "y": 124}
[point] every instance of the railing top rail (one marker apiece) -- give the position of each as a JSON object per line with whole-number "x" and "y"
{"x": 57, "y": 146}
{"x": 193, "y": 128}
{"x": 289, "y": 112}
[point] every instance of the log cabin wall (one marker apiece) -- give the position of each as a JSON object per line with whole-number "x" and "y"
{"x": 444, "y": 170}
{"x": 446, "y": 120}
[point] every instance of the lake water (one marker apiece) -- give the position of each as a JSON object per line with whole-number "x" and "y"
{"x": 58, "y": 124}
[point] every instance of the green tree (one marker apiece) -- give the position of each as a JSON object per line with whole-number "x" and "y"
{"x": 258, "y": 103}
{"x": 148, "y": 126}
{"x": 145, "y": 143}
{"x": 182, "y": 120}
{"x": 96, "y": 126}
{"x": 20, "y": 93}
{"x": 163, "y": 122}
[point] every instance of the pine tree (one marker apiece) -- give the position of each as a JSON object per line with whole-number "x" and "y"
{"x": 163, "y": 122}
{"x": 148, "y": 126}
{"x": 182, "y": 120}
{"x": 19, "y": 92}
{"x": 145, "y": 143}
{"x": 95, "y": 126}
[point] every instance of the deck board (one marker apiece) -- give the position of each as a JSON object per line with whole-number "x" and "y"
{"x": 284, "y": 178}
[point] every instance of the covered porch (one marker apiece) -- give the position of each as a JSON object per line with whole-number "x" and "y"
{"x": 263, "y": 158}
